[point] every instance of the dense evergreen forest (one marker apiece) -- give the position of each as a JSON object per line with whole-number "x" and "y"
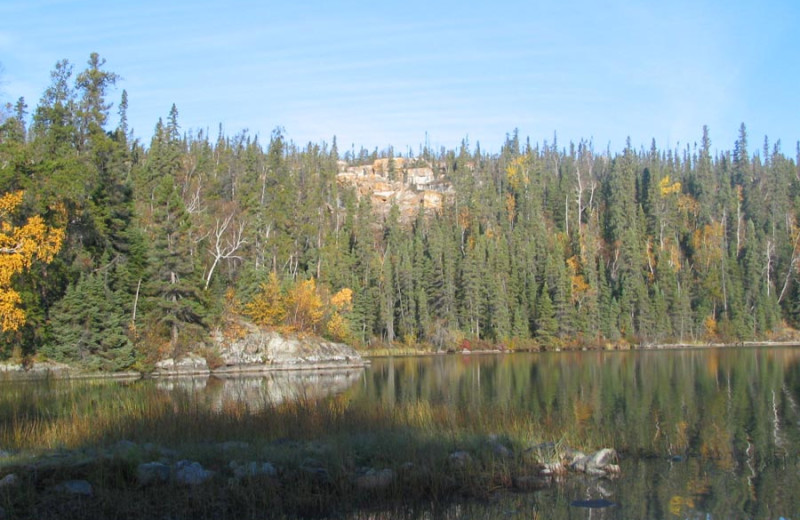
{"x": 537, "y": 246}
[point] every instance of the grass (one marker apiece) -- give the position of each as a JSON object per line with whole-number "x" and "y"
{"x": 57, "y": 432}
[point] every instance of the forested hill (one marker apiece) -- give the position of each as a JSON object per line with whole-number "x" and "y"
{"x": 167, "y": 239}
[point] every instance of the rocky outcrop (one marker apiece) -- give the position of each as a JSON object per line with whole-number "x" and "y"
{"x": 191, "y": 364}
{"x": 260, "y": 349}
{"x": 410, "y": 188}
{"x": 36, "y": 369}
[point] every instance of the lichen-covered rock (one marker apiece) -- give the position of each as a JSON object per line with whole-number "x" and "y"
{"x": 258, "y": 347}
{"x": 36, "y": 370}
{"x": 191, "y": 364}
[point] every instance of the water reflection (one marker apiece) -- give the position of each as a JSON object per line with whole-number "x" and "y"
{"x": 262, "y": 391}
{"x": 710, "y": 433}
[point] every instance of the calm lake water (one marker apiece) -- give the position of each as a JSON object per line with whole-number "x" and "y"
{"x": 708, "y": 433}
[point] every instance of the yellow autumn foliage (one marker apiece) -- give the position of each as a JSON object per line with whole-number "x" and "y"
{"x": 517, "y": 173}
{"x": 343, "y": 300}
{"x": 337, "y": 328}
{"x": 305, "y": 306}
{"x": 268, "y": 308}
{"x": 580, "y": 287}
{"x": 302, "y": 308}
{"x": 666, "y": 187}
{"x": 20, "y": 246}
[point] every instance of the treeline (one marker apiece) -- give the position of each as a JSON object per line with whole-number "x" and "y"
{"x": 538, "y": 245}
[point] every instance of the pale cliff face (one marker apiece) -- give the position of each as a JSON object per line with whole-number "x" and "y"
{"x": 396, "y": 181}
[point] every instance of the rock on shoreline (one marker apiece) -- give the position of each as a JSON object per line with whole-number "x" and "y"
{"x": 261, "y": 350}
{"x": 257, "y": 350}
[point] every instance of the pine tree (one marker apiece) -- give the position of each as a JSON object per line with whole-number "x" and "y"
{"x": 89, "y": 327}
{"x": 176, "y": 302}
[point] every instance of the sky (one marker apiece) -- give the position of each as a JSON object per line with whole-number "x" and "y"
{"x": 401, "y": 74}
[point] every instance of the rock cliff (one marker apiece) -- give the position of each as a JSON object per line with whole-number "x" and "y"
{"x": 411, "y": 188}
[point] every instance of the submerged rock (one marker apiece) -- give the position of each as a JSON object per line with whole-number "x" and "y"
{"x": 460, "y": 459}
{"x": 234, "y": 446}
{"x": 531, "y": 482}
{"x": 593, "y": 504}
{"x": 124, "y": 447}
{"x": 191, "y": 473}
{"x": 252, "y": 469}
{"x": 315, "y": 469}
{"x": 498, "y": 448}
{"x": 10, "y": 480}
{"x": 374, "y": 479}
{"x": 74, "y": 487}
{"x": 152, "y": 473}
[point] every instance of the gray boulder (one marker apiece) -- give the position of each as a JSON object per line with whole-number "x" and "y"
{"x": 598, "y": 463}
{"x": 373, "y": 479}
{"x": 10, "y": 480}
{"x": 152, "y": 473}
{"x": 252, "y": 469}
{"x": 460, "y": 459}
{"x": 191, "y": 473}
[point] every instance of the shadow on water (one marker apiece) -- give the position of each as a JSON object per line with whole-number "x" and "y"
{"x": 701, "y": 434}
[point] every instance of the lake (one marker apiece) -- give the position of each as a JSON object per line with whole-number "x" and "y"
{"x": 706, "y": 433}
{"x": 702, "y": 433}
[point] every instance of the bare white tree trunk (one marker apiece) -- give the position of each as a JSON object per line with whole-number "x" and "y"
{"x": 224, "y": 246}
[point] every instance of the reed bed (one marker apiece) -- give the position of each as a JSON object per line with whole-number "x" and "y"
{"x": 415, "y": 440}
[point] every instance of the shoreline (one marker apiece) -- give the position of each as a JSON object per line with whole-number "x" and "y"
{"x": 49, "y": 369}
{"x": 410, "y": 352}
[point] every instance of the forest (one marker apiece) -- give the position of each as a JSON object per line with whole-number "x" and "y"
{"x": 116, "y": 250}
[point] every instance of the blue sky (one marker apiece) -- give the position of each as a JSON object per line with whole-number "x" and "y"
{"x": 389, "y": 73}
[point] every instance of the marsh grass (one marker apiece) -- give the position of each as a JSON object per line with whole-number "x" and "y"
{"x": 67, "y": 432}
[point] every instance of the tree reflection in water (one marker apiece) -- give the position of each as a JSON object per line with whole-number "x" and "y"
{"x": 706, "y": 433}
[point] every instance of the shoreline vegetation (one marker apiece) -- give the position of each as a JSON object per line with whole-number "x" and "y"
{"x": 193, "y": 365}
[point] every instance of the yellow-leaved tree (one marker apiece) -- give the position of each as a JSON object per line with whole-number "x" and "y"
{"x": 268, "y": 308}
{"x": 21, "y": 245}
{"x": 302, "y": 308}
{"x": 337, "y": 327}
{"x": 305, "y": 307}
